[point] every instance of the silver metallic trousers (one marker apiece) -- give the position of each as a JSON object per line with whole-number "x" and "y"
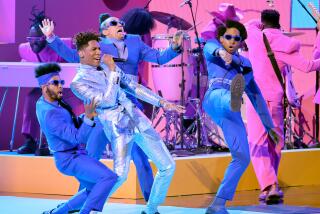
{"x": 152, "y": 145}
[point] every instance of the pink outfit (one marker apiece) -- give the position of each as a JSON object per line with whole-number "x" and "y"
{"x": 316, "y": 55}
{"x": 30, "y": 124}
{"x": 225, "y": 11}
{"x": 265, "y": 155}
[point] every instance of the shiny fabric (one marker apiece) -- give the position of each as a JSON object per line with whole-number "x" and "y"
{"x": 139, "y": 52}
{"x": 97, "y": 143}
{"x": 124, "y": 124}
{"x": 216, "y": 104}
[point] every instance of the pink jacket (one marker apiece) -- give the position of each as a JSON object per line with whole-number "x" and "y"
{"x": 286, "y": 52}
{"x": 46, "y": 55}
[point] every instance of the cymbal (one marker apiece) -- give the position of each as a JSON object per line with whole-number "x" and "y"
{"x": 171, "y": 20}
{"x": 291, "y": 34}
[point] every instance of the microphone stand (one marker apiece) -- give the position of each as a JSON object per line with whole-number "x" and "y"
{"x": 147, "y": 5}
{"x": 199, "y": 60}
{"x": 317, "y": 77}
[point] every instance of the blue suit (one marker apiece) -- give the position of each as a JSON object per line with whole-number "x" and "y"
{"x": 64, "y": 140}
{"x": 137, "y": 51}
{"x": 217, "y": 104}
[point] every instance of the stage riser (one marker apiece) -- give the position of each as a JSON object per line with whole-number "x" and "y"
{"x": 196, "y": 175}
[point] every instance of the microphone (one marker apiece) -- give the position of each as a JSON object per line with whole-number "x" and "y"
{"x": 115, "y": 59}
{"x": 184, "y": 2}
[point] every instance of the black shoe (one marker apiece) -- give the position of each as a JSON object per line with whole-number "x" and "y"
{"x": 59, "y": 205}
{"x": 144, "y": 212}
{"x": 48, "y": 212}
{"x": 29, "y": 146}
{"x": 43, "y": 150}
{"x": 237, "y": 89}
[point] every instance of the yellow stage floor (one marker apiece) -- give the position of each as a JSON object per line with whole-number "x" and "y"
{"x": 194, "y": 175}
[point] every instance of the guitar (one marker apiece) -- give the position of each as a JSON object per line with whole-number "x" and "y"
{"x": 315, "y": 12}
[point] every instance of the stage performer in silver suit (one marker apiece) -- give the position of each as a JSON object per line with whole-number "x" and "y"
{"x": 122, "y": 121}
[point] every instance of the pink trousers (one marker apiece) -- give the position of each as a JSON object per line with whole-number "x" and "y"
{"x": 265, "y": 155}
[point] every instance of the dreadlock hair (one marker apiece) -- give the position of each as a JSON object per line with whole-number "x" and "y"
{"x": 138, "y": 21}
{"x": 102, "y": 18}
{"x": 46, "y": 68}
{"x": 233, "y": 24}
{"x": 83, "y": 38}
{"x": 37, "y": 17}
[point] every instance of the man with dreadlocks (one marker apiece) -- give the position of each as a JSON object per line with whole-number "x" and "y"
{"x": 37, "y": 50}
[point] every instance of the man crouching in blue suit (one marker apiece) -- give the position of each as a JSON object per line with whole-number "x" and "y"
{"x": 66, "y": 136}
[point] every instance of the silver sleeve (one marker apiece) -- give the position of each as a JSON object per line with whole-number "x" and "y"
{"x": 87, "y": 87}
{"x": 139, "y": 91}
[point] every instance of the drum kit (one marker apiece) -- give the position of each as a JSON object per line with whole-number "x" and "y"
{"x": 184, "y": 80}
{"x": 177, "y": 82}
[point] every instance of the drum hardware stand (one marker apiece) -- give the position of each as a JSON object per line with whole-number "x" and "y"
{"x": 3, "y": 99}
{"x": 207, "y": 132}
{"x": 182, "y": 102}
{"x": 171, "y": 128}
{"x": 294, "y": 138}
{"x": 199, "y": 60}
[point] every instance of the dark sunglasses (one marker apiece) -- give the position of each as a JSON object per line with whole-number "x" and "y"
{"x": 36, "y": 38}
{"x": 56, "y": 82}
{"x": 115, "y": 23}
{"x": 229, "y": 37}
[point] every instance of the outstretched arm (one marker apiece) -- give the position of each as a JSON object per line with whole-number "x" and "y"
{"x": 161, "y": 57}
{"x": 55, "y": 43}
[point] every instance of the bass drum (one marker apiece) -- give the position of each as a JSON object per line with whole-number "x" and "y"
{"x": 167, "y": 78}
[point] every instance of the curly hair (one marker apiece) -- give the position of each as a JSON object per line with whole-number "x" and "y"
{"x": 138, "y": 21}
{"x": 46, "y": 68}
{"x": 233, "y": 24}
{"x": 83, "y": 38}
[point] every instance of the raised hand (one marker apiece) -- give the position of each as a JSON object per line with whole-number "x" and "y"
{"x": 172, "y": 107}
{"x": 108, "y": 60}
{"x": 47, "y": 28}
{"x": 90, "y": 108}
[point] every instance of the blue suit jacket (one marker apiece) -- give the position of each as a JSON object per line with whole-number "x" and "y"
{"x": 137, "y": 51}
{"x": 57, "y": 125}
{"x": 218, "y": 69}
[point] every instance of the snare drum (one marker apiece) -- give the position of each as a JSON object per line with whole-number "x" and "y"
{"x": 167, "y": 78}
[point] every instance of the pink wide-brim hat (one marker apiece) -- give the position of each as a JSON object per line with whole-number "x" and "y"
{"x": 225, "y": 12}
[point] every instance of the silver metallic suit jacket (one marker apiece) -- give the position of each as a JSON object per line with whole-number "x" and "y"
{"x": 115, "y": 111}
